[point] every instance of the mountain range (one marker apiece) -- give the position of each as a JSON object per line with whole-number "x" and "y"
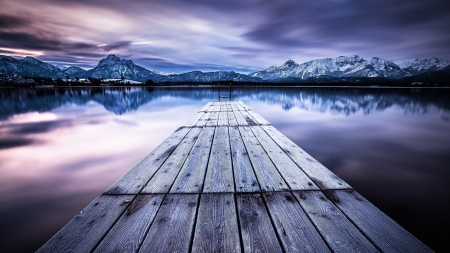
{"x": 337, "y": 101}
{"x": 341, "y": 68}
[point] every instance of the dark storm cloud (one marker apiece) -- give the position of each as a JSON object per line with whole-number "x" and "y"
{"x": 168, "y": 66}
{"x": 43, "y": 40}
{"x": 318, "y": 24}
{"x": 39, "y": 127}
{"x": 8, "y": 21}
{"x": 14, "y": 142}
{"x": 223, "y": 34}
{"x": 116, "y": 45}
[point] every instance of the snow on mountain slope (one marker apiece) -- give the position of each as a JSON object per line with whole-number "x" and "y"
{"x": 75, "y": 72}
{"x": 28, "y": 66}
{"x": 421, "y": 65}
{"x": 342, "y": 66}
{"x": 112, "y": 67}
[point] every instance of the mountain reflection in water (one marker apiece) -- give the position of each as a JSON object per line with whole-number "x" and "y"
{"x": 334, "y": 100}
{"x": 62, "y": 147}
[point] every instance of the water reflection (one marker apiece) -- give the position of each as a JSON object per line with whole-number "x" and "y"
{"x": 334, "y": 100}
{"x": 61, "y": 148}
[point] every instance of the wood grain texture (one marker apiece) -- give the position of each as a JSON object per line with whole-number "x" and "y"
{"x": 266, "y": 173}
{"x": 249, "y": 119}
{"x": 234, "y": 106}
{"x": 244, "y": 176}
{"x": 318, "y": 173}
{"x": 219, "y": 175}
{"x": 172, "y": 229}
{"x": 257, "y": 232}
{"x": 128, "y": 233}
{"x": 239, "y": 106}
{"x": 240, "y": 118}
{"x": 258, "y": 118}
{"x": 385, "y": 233}
{"x": 214, "y": 108}
{"x": 223, "y": 119}
{"x": 224, "y": 106}
{"x": 244, "y": 105}
{"x": 205, "y": 108}
{"x": 296, "y": 232}
{"x": 216, "y": 228}
{"x": 84, "y": 231}
{"x": 292, "y": 174}
{"x": 203, "y": 120}
{"x": 192, "y": 174}
{"x": 231, "y": 119}
{"x": 340, "y": 234}
{"x": 213, "y": 118}
{"x": 135, "y": 179}
{"x": 194, "y": 120}
{"x": 165, "y": 176}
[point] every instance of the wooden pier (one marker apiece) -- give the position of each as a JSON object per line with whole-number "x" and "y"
{"x": 228, "y": 181}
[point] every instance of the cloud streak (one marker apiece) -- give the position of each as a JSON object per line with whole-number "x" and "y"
{"x": 175, "y": 35}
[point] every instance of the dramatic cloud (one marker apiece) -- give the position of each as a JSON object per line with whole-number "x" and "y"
{"x": 178, "y": 36}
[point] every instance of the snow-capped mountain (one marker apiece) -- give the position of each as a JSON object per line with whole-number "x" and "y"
{"x": 75, "y": 72}
{"x": 347, "y": 69}
{"x": 60, "y": 66}
{"x": 421, "y": 65}
{"x": 198, "y": 76}
{"x": 112, "y": 67}
{"x": 342, "y": 66}
{"x": 28, "y": 66}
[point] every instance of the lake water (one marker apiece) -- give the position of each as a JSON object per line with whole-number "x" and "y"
{"x": 61, "y": 148}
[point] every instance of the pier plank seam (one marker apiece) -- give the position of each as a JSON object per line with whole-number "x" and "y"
{"x": 331, "y": 216}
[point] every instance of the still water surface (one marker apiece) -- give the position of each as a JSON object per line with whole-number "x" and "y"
{"x": 61, "y": 148}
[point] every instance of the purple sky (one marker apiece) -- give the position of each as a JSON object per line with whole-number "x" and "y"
{"x": 245, "y": 36}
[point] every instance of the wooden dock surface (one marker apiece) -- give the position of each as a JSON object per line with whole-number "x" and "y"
{"x": 228, "y": 181}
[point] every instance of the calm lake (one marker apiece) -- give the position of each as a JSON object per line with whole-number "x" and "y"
{"x": 61, "y": 148}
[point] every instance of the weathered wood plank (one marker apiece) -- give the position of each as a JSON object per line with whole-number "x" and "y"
{"x": 340, "y": 234}
{"x": 234, "y": 106}
{"x": 212, "y": 120}
{"x": 231, "y": 119}
{"x": 248, "y": 118}
{"x": 257, "y": 231}
{"x": 240, "y": 118}
{"x": 214, "y": 108}
{"x": 219, "y": 175}
{"x": 203, "y": 120}
{"x": 216, "y": 229}
{"x": 192, "y": 174}
{"x": 224, "y": 106}
{"x": 223, "y": 119}
{"x": 164, "y": 177}
{"x": 239, "y": 106}
{"x": 258, "y": 118}
{"x": 318, "y": 173}
{"x": 229, "y": 108}
{"x": 267, "y": 174}
{"x": 129, "y": 232}
{"x": 205, "y": 108}
{"x": 244, "y": 105}
{"x": 135, "y": 179}
{"x": 296, "y": 232}
{"x": 244, "y": 176}
{"x": 172, "y": 229}
{"x": 84, "y": 231}
{"x": 194, "y": 120}
{"x": 385, "y": 233}
{"x": 292, "y": 174}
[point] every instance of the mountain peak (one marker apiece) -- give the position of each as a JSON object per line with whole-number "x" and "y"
{"x": 290, "y": 63}
{"x": 32, "y": 60}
